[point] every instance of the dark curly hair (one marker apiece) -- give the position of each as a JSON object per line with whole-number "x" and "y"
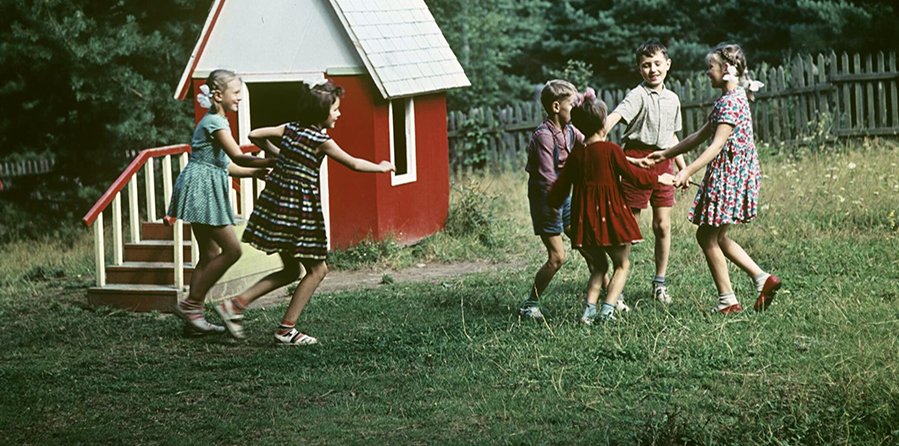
{"x": 316, "y": 102}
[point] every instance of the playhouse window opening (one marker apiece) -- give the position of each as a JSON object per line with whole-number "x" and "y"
{"x": 400, "y": 148}
{"x": 402, "y": 141}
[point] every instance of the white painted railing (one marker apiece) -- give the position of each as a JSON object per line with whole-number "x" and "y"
{"x": 145, "y": 160}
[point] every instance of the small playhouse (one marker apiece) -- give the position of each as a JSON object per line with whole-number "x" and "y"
{"x": 394, "y": 65}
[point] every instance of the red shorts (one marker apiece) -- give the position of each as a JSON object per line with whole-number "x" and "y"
{"x": 660, "y": 195}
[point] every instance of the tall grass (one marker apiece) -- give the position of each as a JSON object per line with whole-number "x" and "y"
{"x": 452, "y": 364}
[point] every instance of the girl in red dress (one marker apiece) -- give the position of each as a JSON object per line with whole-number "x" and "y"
{"x": 601, "y": 221}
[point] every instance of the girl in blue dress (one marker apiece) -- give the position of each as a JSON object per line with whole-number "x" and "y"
{"x": 200, "y": 195}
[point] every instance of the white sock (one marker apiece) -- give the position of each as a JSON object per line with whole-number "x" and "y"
{"x": 760, "y": 280}
{"x": 726, "y": 299}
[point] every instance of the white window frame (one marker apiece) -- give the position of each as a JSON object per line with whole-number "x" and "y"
{"x": 411, "y": 174}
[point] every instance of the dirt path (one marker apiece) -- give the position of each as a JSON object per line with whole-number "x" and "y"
{"x": 423, "y": 272}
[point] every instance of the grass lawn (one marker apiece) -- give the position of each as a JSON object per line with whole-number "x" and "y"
{"x": 450, "y": 363}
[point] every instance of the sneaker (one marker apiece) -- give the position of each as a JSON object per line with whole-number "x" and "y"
{"x": 294, "y": 337}
{"x": 606, "y": 318}
{"x": 232, "y": 318}
{"x": 730, "y": 309}
{"x": 530, "y": 311}
{"x": 620, "y": 305}
{"x": 766, "y": 294}
{"x": 195, "y": 324}
{"x": 660, "y": 293}
{"x": 588, "y": 316}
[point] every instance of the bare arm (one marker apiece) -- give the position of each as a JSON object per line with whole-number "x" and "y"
{"x": 334, "y": 151}
{"x": 722, "y": 132}
{"x": 224, "y": 138}
{"x": 689, "y": 143}
{"x": 611, "y": 121}
{"x": 266, "y": 139}
{"x": 247, "y": 172}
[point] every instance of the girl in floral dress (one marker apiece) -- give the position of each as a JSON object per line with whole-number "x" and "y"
{"x": 729, "y": 192}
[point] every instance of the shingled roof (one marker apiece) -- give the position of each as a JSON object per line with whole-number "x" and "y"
{"x": 401, "y": 45}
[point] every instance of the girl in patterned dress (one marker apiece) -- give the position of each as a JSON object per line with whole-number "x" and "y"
{"x": 729, "y": 192}
{"x": 602, "y": 223}
{"x": 200, "y": 195}
{"x": 288, "y": 216}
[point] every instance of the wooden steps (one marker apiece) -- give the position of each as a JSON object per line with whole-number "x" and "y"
{"x": 145, "y": 279}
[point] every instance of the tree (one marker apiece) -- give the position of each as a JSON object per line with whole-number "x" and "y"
{"x": 89, "y": 79}
{"x": 488, "y": 37}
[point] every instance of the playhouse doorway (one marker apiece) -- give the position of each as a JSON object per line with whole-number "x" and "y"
{"x": 273, "y": 103}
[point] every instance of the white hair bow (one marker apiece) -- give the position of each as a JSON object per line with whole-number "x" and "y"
{"x": 203, "y": 98}
{"x": 747, "y": 83}
{"x": 731, "y": 74}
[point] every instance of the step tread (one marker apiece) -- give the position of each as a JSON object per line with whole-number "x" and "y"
{"x": 125, "y": 287}
{"x": 154, "y": 243}
{"x": 129, "y": 265}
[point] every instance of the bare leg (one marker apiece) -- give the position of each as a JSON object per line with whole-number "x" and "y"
{"x": 707, "y": 236}
{"x": 555, "y": 258}
{"x": 621, "y": 265}
{"x": 598, "y": 278}
{"x": 661, "y": 228}
{"x": 273, "y": 281}
{"x": 316, "y": 270}
{"x": 219, "y": 249}
{"x": 733, "y": 251}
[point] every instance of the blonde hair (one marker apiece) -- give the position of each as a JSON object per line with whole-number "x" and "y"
{"x": 218, "y": 80}
{"x": 556, "y": 90}
{"x": 732, "y": 54}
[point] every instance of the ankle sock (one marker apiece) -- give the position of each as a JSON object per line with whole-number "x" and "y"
{"x": 658, "y": 280}
{"x": 529, "y": 303}
{"x": 760, "y": 280}
{"x": 726, "y": 299}
{"x": 285, "y": 327}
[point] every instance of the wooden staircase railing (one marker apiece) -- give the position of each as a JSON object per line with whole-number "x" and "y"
{"x": 148, "y": 273}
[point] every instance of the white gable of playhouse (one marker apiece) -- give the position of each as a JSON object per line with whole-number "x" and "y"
{"x": 277, "y": 39}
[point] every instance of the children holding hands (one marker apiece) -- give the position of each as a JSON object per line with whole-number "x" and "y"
{"x": 601, "y": 221}
{"x": 729, "y": 192}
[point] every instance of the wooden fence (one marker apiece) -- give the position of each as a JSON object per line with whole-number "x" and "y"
{"x": 808, "y": 98}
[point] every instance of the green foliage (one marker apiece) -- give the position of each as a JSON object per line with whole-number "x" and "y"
{"x": 474, "y": 214}
{"x": 577, "y": 72}
{"x": 489, "y": 38}
{"x": 475, "y": 141}
{"x": 90, "y": 80}
{"x": 368, "y": 253}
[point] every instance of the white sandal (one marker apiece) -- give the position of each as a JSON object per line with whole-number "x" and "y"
{"x": 294, "y": 337}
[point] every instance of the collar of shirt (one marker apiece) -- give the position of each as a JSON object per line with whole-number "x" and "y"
{"x": 650, "y": 90}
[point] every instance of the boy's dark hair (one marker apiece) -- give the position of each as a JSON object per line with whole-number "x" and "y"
{"x": 316, "y": 102}
{"x": 590, "y": 116}
{"x": 649, "y": 48}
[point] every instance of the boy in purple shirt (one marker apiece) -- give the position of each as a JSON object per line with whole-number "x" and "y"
{"x": 548, "y": 150}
